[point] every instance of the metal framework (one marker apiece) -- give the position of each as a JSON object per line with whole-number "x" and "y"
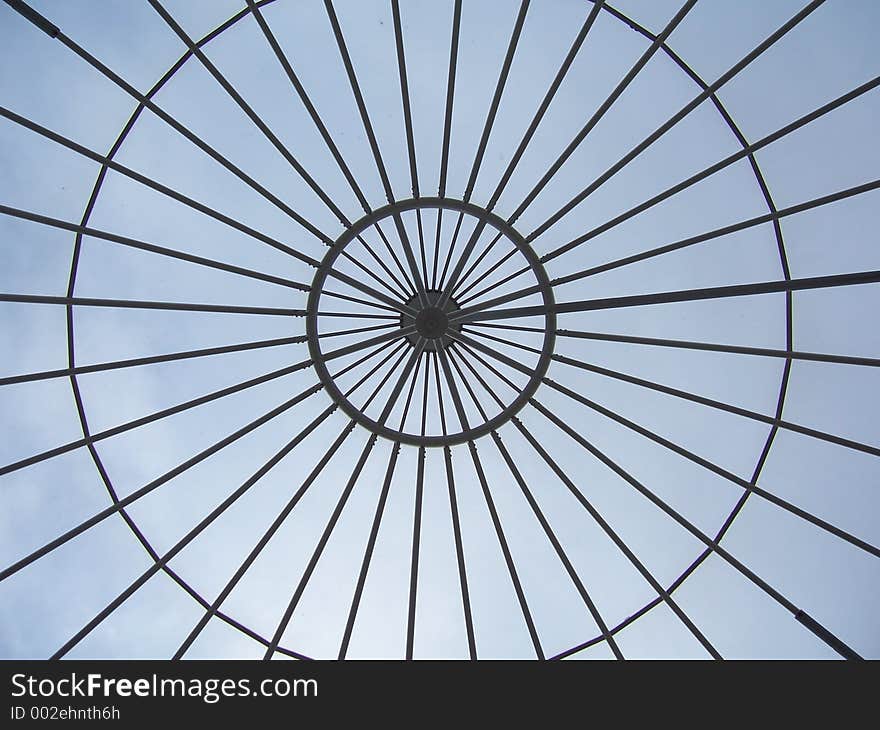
{"x": 440, "y": 354}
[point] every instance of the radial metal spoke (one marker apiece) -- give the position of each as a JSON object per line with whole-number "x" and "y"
{"x": 206, "y": 210}
{"x": 356, "y": 330}
{"x": 444, "y": 154}
{"x": 358, "y": 315}
{"x": 436, "y": 255}
{"x": 471, "y": 345}
{"x": 772, "y": 217}
{"x": 414, "y": 281}
{"x": 511, "y": 327}
{"x": 411, "y": 287}
{"x": 316, "y": 555}
{"x": 814, "y": 626}
{"x": 451, "y": 355}
{"x": 450, "y": 97}
{"x": 490, "y": 504}
{"x": 504, "y": 259}
{"x": 128, "y": 172}
{"x": 545, "y": 103}
{"x": 394, "y": 303}
{"x": 374, "y": 146}
{"x": 748, "y": 150}
{"x": 359, "y": 99}
{"x": 396, "y": 351}
{"x": 464, "y": 277}
{"x": 557, "y": 546}
{"x": 533, "y": 503}
{"x": 151, "y": 360}
{"x": 749, "y": 487}
{"x": 213, "y": 609}
{"x": 378, "y": 339}
{"x": 200, "y": 400}
{"x": 192, "y": 534}
{"x": 404, "y": 95}
{"x": 463, "y": 258}
{"x": 539, "y": 515}
{"x": 720, "y": 471}
{"x": 258, "y": 548}
{"x": 417, "y": 529}
{"x": 674, "y": 586}
{"x": 357, "y": 300}
{"x": 249, "y": 111}
{"x": 707, "y": 93}
{"x": 456, "y": 524}
{"x": 377, "y": 521}
{"x": 479, "y": 312}
{"x": 478, "y": 158}
{"x": 120, "y": 505}
{"x": 712, "y": 347}
{"x": 624, "y": 548}
{"x": 197, "y": 597}
{"x": 459, "y": 552}
{"x": 404, "y": 291}
{"x": 496, "y": 98}
{"x": 451, "y": 248}
{"x": 145, "y": 101}
{"x": 660, "y": 598}
{"x": 603, "y": 109}
{"x": 152, "y": 248}
{"x": 441, "y": 409}
{"x": 307, "y": 103}
{"x": 343, "y": 499}
{"x": 486, "y": 274}
{"x": 675, "y": 392}
{"x": 422, "y": 251}
{"x": 718, "y": 166}
{"x": 368, "y": 554}
{"x": 134, "y": 304}
{"x": 156, "y": 483}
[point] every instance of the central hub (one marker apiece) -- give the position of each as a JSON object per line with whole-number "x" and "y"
{"x": 373, "y": 377}
{"x": 431, "y": 322}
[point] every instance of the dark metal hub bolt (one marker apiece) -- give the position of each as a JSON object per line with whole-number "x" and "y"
{"x": 431, "y": 323}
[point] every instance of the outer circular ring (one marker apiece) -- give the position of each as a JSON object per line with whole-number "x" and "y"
{"x": 546, "y": 291}
{"x": 94, "y": 449}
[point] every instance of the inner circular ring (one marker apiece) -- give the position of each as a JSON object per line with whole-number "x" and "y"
{"x": 434, "y": 322}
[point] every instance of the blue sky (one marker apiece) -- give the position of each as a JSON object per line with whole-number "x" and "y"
{"x": 830, "y": 52}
